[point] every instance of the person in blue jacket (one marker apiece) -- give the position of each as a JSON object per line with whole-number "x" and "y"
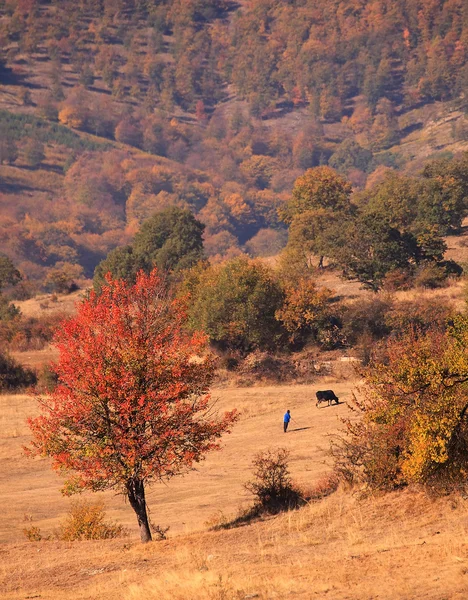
{"x": 287, "y": 418}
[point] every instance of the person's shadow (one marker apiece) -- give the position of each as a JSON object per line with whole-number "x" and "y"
{"x": 300, "y": 429}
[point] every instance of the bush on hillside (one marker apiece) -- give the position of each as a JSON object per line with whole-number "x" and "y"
{"x": 87, "y": 521}
{"x": 62, "y": 278}
{"x": 413, "y": 406}
{"x": 28, "y": 333}
{"x": 272, "y": 488}
{"x": 264, "y": 366}
{"x": 367, "y": 316}
{"x": 13, "y": 375}
{"x": 375, "y": 318}
{"x": 272, "y": 485}
{"x": 46, "y": 379}
{"x": 430, "y": 276}
{"x": 420, "y": 314}
{"x": 8, "y": 311}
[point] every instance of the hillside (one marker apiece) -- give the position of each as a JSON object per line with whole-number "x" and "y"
{"x": 109, "y": 113}
{"x": 396, "y": 547}
{"x": 329, "y": 142}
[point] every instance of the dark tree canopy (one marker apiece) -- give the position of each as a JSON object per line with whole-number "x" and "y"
{"x": 170, "y": 240}
{"x": 121, "y": 262}
{"x": 350, "y": 155}
{"x": 9, "y": 274}
{"x": 395, "y": 226}
{"x": 447, "y": 204}
{"x": 368, "y": 248}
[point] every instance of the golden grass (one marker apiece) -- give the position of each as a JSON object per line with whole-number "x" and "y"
{"x": 185, "y": 503}
{"x": 453, "y": 294}
{"x": 44, "y": 305}
{"x": 400, "y": 546}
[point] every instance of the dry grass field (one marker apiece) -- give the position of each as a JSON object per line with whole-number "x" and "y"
{"x": 29, "y": 487}
{"x": 44, "y": 305}
{"x": 399, "y": 546}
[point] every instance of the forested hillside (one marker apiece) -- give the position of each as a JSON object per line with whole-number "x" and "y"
{"x": 116, "y": 109}
{"x": 182, "y": 51}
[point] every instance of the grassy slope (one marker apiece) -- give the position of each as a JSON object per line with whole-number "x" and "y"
{"x": 403, "y": 545}
{"x": 400, "y": 546}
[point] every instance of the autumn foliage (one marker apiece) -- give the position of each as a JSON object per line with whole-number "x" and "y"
{"x": 128, "y": 70}
{"x": 413, "y": 426}
{"x": 305, "y": 310}
{"x": 132, "y": 403}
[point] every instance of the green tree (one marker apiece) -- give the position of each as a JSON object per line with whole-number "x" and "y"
{"x": 235, "y": 304}
{"x": 8, "y": 311}
{"x": 350, "y": 155}
{"x": 13, "y": 375}
{"x": 368, "y": 248}
{"x": 396, "y": 199}
{"x": 8, "y": 147}
{"x": 319, "y": 198}
{"x": 87, "y": 76}
{"x": 311, "y": 234}
{"x": 9, "y": 274}
{"x": 171, "y": 240}
{"x": 445, "y": 200}
{"x": 122, "y": 263}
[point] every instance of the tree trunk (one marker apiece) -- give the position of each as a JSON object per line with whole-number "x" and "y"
{"x": 136, "y": 496}
{"x": 320, "y": 265}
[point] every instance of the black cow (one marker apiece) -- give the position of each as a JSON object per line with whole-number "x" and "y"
{"x": 327, "y": 396}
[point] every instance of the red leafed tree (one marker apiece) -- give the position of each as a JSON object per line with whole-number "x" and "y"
{"x": 132, "y": 403}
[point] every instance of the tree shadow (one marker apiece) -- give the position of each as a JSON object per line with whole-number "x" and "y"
{"x": 51, "y": 168}
{"x": 257, "y": 512}
{"x": 9, "y": 187}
